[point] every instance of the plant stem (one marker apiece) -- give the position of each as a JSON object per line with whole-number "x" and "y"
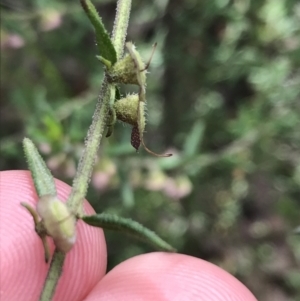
{"x": 88, "y": 158}
{"x": 53, "y": 275}
{"x": 120, "y": 26}
{"x": 107, "y": 95}
{"x": 93, "y": 139}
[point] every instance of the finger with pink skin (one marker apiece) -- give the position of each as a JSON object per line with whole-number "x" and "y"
{"x": 163, "y": 277}
{"x": 22, "y": 265}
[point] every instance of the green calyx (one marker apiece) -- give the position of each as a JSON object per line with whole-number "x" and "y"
{"x": 125, "y": 70}
{"x": 131, "y": 109}
{"x": 128, "y": 110}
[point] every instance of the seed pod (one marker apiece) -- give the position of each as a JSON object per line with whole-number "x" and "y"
{"x": 127, "y": 109}
{"x": 58, "y": 221}
{"x": 132, "y": 70}
{"x": 125, "y": 70}
{"x": 131, "y": 110}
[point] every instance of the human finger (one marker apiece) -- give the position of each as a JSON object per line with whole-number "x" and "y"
{"x": 162, "y": 277}
{"x": 22, "y": 263}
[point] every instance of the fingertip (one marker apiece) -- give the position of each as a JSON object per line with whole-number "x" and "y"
{"x": 24, "y": 264}
{"x": 163, "y": 276}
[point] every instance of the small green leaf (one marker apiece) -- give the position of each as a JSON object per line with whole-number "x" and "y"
{"x": 105, "y": 46}
{"x": 42, "y": 177}
{"x": 128, "y": 226}
{"x": 104, "y": 61}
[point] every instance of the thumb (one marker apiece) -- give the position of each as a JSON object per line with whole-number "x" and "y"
{"x": 22, "y": 254}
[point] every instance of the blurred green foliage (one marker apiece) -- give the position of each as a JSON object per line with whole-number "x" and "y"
{"x": 223, "y": 95}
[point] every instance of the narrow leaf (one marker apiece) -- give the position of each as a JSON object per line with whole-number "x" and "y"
{"x": 41, "y": 175}
{"x": 128, "y": 226}
{"x": 105, "y": 46}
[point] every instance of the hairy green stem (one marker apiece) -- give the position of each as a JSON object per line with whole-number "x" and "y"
{"x": 53, "y": 275}
{"x": 120, "y": 26}
{"x": 94, "y": 136}
{"x": 107, "y": 95}
{"x": 87, "y": 161}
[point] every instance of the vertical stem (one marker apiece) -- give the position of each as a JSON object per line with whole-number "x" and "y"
{"x": 53, "y": 275}
{"x": 120, "y": 26}
{"x": 92, "y": 143}
{"x": 107, "y": 95}
{"x": 88, "y": 158}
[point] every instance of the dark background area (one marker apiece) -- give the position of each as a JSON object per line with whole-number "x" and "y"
{"x": 223, "y": 95}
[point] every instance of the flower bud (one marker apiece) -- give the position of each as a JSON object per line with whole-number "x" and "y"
{"x": 58, "y": 221}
